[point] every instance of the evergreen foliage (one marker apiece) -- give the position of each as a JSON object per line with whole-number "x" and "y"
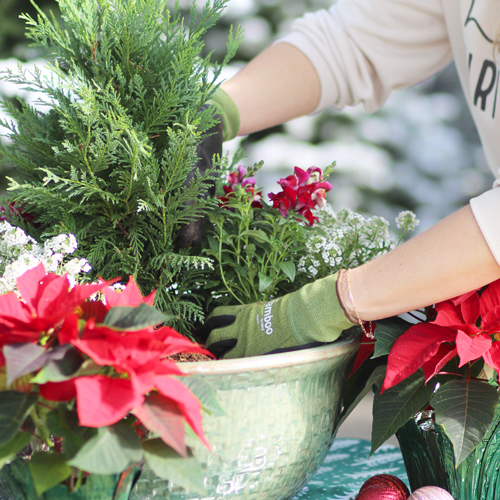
{"x": 107, "y": 156}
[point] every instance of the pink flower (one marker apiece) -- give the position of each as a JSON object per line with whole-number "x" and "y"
{"x": 284, "y": 201}
{"x": 302, "y": 192}
{"x": 235, "y": 178}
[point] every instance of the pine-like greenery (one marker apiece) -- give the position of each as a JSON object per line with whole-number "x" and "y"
{"x": 107, "y": 156}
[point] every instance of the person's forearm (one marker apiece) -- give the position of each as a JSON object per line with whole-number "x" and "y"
{"x": 445, "y": 261}
{"x": 276, "y": 86}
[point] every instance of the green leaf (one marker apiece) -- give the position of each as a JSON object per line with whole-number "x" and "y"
{"x": 289, "y": 269}
{"x": 21, "y": 359}
{"x": 256, "y": 234}
{"x": 48, "y": 469}
{"x": 58, "y": 370}
{"x": 264, "y": 281}
{"x": 396, "y": 405}
{"x": 355, "y": 397}
{"x": 205, "y": 394}
{"x": 64, "y": 423}
{"x": 16, "y": 478}
{"x": 165, "y": 463}
{"x": 465, "y": 409}
{"x": 134, "y": 318}
{"x": 14, "y": 407}
{"x": 214, "y": 244}
{"x": 110, "y": 451}
{"x": 387, "y": 332}
{"x": 9, "y": 450}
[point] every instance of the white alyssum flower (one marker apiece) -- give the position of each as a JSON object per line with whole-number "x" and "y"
{"x": 347, "y": 239}
{"x": 19, "y": 252}
{"x": 407, "y": 221}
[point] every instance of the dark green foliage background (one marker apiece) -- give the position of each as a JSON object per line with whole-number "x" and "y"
{"x": 108, "y": 153}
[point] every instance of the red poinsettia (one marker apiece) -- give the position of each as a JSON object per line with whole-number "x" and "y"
{"x": 47, "y": 300}
{"x": 302, "y": 192}
{"x": 467, "y": 326}
{"x": 52, "y": 319}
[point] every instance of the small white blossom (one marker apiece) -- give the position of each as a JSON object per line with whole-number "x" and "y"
{"x": 20, "y": 252}
{"x": 407, "y": 221}
{"x": 65, "y": 243}
{"x": 312, "y": 270}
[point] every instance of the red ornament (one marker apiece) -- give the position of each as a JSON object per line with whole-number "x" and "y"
{"x": 383, "y": 487}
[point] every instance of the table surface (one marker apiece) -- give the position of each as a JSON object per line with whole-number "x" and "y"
{"x": 347, "y": 466}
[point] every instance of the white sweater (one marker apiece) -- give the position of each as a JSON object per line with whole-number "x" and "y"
{"x": 363, "y": 49}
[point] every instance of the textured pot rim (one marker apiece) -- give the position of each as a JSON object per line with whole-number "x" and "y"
{"x": 347, "y": 343}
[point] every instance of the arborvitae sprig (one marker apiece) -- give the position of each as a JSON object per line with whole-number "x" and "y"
{"x": 107, "y": 156}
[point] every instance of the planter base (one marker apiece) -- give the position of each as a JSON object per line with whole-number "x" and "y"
{"x": 429, "y": 461}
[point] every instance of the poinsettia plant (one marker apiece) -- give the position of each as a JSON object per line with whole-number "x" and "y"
{"x": 446, "y": 364}
{"x": 86, "y": 385}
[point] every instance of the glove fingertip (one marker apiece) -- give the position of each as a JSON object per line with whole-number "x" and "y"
{"x": 222, "y": 348}
{"x": 213, "y": 323}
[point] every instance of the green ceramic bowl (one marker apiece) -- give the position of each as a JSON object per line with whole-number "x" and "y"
{"x": 282, "y": 411}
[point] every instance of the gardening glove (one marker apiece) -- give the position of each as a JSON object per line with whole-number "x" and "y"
{"x": 227, "y": 126}
{"x": 310, "y": 316}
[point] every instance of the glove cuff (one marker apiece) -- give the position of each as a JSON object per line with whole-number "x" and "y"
{"x": 322, "y": 319}
{"x": 228, "y": 111}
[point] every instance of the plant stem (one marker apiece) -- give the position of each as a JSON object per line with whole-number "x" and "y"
{"x": 222, "y": 270}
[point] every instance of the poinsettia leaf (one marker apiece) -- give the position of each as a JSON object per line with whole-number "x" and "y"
{"x": 61, "y": 367}
{"x": 134, "y": 318}
{"x": 387, "y": 332}
{"x": 419, "y": 344}
{"x": 445, "y": 353}
{"x": 167, "y": 464}
{"x": 465, "y": 409}
{"x": 63, "y": 423}
{"x": 10, "y": 449}
{"x": 21, "y": 359}
{"x": 110, "y": 451}
{"x": 376, "y": 377}
{"x": 470, "y": 309}
{"x": 264, "y": 281}
{"x": 364, "y": 353}
{"x": 188, "y": 403}
{"x": 471, "y": 348}
{"x": 204, "y": 392}
{"x": 490, "y": 298}
{"x": 14, "y": 407}
{"x": 17, "y": 479}
{"x": 289, "y": 269}
{"x": 48, "y": 469}
{"x": 396, "y": 405}
{"x": 163, "y": 417}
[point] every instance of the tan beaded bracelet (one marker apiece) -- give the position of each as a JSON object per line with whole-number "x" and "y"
{"x": 349, "y": 307}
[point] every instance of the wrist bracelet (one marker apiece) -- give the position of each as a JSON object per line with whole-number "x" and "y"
{"x": 344, "y": 274}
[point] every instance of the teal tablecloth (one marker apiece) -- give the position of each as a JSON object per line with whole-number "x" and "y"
{"x": 347, "y": 466}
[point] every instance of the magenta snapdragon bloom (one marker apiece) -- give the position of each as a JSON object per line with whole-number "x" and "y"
{"x": 239, "y": 178}
{"x": 302, "y": 192}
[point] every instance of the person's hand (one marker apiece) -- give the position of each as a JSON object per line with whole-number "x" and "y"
{"x": 227, "y": 118}
{"x": 305, "y": 318}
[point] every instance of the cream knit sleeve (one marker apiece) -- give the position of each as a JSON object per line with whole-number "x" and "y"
{"x": 486, "y": 210}
{"x": 363, "y": 49}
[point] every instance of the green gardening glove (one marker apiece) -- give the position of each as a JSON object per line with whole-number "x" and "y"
{"x": 228, "y": 113}
{"x": 307, "y": 317}
{"x": 226, "y": 127}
